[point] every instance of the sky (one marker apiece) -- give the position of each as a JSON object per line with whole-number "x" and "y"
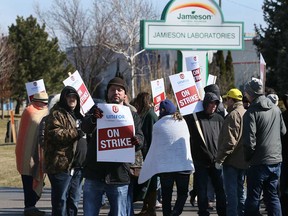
{"x": 247, "y": 11}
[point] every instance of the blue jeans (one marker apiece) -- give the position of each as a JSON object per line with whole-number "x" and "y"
{"x": 182, "y": 186}
{"x": 234, "y": 187}
{"x": 59, "y": 187}
{"x": 201, "y": 176}
{"x": 263, "y": 177}
{"x": 92, "y": 197}
{"x": 74, "y": 192}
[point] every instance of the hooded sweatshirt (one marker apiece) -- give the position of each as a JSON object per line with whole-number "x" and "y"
{"x": 205, "y": 153}
{"x": 263, "y": 127}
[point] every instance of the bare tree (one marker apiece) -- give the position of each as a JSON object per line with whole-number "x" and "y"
{"x": 122, "y": 27}
{"x": 75, "y": 27}
{"x": 7, "y": 60}
{"x": 95, "y": 34}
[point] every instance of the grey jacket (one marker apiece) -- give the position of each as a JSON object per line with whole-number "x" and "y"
{"x": 230, "y": 143}
{"x": 263, "y": 127}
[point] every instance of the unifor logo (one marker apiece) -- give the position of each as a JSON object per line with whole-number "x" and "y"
{"x": 34, "y": 83}
{"x": 194, "y": 16}
{"x": 115, "y": 109}
{"x": 182, "y": 76}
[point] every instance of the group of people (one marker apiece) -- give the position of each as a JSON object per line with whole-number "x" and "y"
{"x": 228, "y": 146}
{"x": 244, "y": 146}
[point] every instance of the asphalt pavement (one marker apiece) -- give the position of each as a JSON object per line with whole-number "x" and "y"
{"x": 12, "y": 203}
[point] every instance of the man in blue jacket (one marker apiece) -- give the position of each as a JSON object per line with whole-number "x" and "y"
{"x": 263, "y": 127}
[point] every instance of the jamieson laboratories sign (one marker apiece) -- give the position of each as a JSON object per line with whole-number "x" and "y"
{"x": 192, "y": 24}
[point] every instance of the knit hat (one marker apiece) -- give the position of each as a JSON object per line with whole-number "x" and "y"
{"x": 167, "y": 108}
{"x": 40, "y": 97}
{"x": 254, "y": 87}
{"x": 234, "y": 93}
{"x": 119, "y": 82}
{"x": 274, "y": 98}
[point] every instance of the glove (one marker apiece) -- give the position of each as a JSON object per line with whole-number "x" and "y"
{"x": 135, "y": 141}
{"x": 218, "y": 166}
{"x": 97, "y": 113}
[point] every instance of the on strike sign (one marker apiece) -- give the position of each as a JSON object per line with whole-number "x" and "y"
{"x": 186, "y": 93}
{"x": 86, "y": 101}
{"x": 114, "y": 132}
{"x": 158, "y": 93}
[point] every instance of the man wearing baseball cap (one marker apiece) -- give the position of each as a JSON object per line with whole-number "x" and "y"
{"x": 263, "y": 127}
{"x": 230, "y": 153}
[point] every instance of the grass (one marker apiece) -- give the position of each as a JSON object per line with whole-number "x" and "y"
{"x": 9, "y": 176}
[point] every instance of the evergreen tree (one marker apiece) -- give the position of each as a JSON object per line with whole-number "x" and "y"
{"x": 38, "y": 57}
{"x": 222, "y": 78}
{"x": 229, "y": 72}
{"x": 272, "y": 42}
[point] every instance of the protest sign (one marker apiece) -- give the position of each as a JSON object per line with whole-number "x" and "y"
{"x": 114, "y": 132}
{"x": 34, "y": 87}
{"x": 158, "y": 93}
{"x": 192, "y": 64}
{"x": 186, "y": 93}
{"x": 211, "y": 79}
{"x": 86, "y": 101}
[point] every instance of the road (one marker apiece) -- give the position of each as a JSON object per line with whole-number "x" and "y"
{"x": 11, "y": 203}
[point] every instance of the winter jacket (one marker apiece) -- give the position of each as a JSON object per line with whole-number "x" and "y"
{"x": 263, "y": 127}
{"x": 230, "y": 143}
{"x": 109, "y": 172}
{"x": 284, "y": 138}
{"x": 61, "y": 135}
{"x": 204, "y": 152}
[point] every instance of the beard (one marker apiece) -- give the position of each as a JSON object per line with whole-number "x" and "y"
{"x": 116, "y": 100}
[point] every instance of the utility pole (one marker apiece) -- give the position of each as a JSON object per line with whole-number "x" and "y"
{"x": 220, "y": 3}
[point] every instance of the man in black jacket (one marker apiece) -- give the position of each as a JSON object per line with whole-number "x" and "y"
{"x": 110, "y": 177}
{"x": 204, "y": 130}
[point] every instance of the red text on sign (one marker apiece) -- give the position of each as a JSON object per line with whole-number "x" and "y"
{"x": 187, "y": 96}
{"x": 115, "y": 138}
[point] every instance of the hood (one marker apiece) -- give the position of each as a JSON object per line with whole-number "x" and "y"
{"x": 63, "y": 102}
{"x": 209, "y": 97}
{"x": 214, "y": 88}
{"x": 262, "y": 103}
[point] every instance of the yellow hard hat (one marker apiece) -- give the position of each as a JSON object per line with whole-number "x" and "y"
{"x": 234, "y": 93}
